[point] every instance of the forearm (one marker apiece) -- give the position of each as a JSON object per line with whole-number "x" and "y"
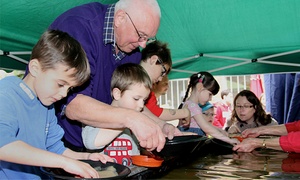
{"x": 106, "y": 136}
{"x": 22, "y": 153}
{"x": 273, "y": 130}
{"x": 216, "y": 133}
{"x": 272, "y": 143}
{"x": 249, "y": 144}
{"x": 171, "y": 114}
{"x": 97, "y": 114}
{"x": 211, "y": 130}
{"x": 149, "y": 114}
{"x": 76, "y": 155}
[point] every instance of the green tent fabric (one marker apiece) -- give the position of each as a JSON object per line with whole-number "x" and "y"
{"x": 231, "y": 37}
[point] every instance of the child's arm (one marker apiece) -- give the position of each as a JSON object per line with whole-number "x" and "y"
{"x": 171, "y": 114}
{"x": 87, "y": 156}
{"x": 97, "y": 138}
{"x": 105, "y": 136}
{"x": 208, "y": 128}
{"x": 22, "y": 153}
{"x": 168, "y": 129}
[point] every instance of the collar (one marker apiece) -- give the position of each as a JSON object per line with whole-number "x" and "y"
{"x": 108, "y": 32}
{"x": 27, "y": 90}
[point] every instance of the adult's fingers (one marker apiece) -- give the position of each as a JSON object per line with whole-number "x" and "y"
{"x": 161, "y": 141}
{"x": 155, "y": 141}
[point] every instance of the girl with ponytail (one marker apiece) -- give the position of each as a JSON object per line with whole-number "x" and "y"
{"x": 201, "y": 88}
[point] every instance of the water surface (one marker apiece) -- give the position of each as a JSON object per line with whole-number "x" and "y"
{"x": 260, "y": 164}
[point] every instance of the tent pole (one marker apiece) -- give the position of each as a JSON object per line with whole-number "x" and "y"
{"x": 231, "y": 66}
{"x": 225, "y": 57}
{"x": 12, "y": 55}
{"x": 262, "y": 59}
{"x": 280, "y": 63}
{"x": 277, "y": 55}
{"x": 18, "y": 59}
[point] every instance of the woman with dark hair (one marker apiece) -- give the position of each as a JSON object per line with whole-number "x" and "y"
{"x": 248, "y": 112}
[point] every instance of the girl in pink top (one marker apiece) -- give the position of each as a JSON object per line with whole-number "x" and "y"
{"x": 201, "y": 88}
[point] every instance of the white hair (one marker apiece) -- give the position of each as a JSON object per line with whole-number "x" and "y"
{"x": 127, "y": 4}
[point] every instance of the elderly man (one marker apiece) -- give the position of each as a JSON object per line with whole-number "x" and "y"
{"x": 110, "y": 35}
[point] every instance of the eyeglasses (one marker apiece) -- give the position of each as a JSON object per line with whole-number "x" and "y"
{"x": 244, "y": 107}
{"x": 142, "y": 38}
{"x": 209, "y": 114}
{"x": 164, "y": 72}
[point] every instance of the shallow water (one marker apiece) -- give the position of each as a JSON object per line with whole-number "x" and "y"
{"x": 261, "y": 164}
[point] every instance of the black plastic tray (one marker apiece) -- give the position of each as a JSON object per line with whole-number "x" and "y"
{"x": 180, "y": 146}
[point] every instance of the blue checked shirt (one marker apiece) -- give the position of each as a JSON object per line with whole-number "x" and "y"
{"x": 108, "y": 35}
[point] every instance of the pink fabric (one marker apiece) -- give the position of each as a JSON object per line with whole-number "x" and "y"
{"x": 195, "y": 110}
{"x": 221, "y": 112}
{"x": 256, "y": 85}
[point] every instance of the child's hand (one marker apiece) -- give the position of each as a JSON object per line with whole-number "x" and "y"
{"x": 234, "y": 130}
{"x": 99, "y": 156}
{"x": 251, "y": 132}
{"x": 248, "y": 145}
{"x": 80, "y": 169}
{"x": 185, "y": 122}
{"x": 234, "y": 141}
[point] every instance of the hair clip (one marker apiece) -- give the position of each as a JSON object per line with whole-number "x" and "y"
{"x": 201, "y": 78}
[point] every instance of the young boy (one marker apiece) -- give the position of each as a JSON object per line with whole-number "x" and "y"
{"x": 208, "y": 110}
{"x": 30, "y": 135}
{"x": 130, "y": 87}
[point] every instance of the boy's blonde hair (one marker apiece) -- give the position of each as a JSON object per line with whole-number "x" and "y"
{"x": 128, "y": 74}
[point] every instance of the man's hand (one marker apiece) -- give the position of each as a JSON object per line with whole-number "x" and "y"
{"x": 148, "y": 132}
{"x": 170, "y": 131}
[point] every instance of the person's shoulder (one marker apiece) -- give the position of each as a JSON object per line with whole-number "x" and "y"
{"x": 192, "y": 105}
{"x": 10, "y": 88}
{"x": 9, "y": 81}
{"x": 88, "y": 5}
{"x": 152, "y": 93}
{"x": 86, "y": 10}
{"x": 188, "y": 102}
{"x": 151, "y": 100}
{"x": 151, "y": 96}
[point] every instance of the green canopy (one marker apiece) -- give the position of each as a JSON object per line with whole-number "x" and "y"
{"x": 232, "y": 37}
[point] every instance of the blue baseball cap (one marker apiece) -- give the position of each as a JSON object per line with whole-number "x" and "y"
{"x": 207, "y": 106}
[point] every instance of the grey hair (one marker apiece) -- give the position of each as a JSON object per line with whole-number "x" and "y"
{"x": 126, "y": 4}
